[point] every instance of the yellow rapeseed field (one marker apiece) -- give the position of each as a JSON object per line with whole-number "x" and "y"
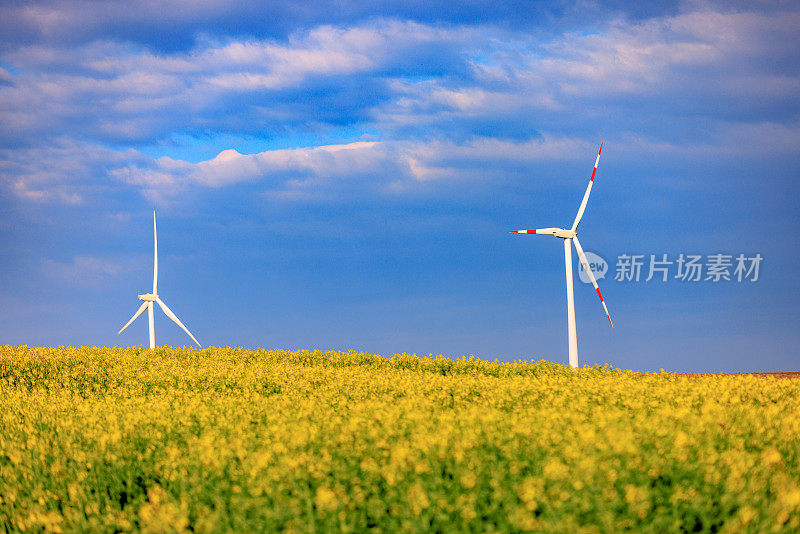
{"x": 234, "y": 440}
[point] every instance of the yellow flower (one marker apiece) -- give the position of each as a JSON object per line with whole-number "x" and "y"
{"x": 325, "y": 499}
{"x": 417, "y": 498}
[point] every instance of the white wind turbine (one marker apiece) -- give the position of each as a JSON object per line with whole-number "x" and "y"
{"x": 569, "y": 236}
{"x": 149, "y": 298}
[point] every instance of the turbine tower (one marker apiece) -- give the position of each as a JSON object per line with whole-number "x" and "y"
{"x": 149, "y": 298}
{"x": 571, "y": 236}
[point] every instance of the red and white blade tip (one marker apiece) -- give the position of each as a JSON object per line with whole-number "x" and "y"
{"x": 602, "y": 301}
{"x": 596, "y": 162}
{"x": 522, "y": 231}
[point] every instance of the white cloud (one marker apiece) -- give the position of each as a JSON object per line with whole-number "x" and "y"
{"x": 112, "y": 91}
{"x": 359, "y": 169}
{"x": 279, "y": 170}
{"x": 5, "y": 77}
{"x": 368, "y": 167}
{"x": 701, "y": 62}
{"x": 684, "y": 84}
{"x": 116, "y": 92}
{"x": 64, "y": 172}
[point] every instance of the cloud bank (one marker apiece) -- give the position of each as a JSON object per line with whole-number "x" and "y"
{"x": 384, "y": 103}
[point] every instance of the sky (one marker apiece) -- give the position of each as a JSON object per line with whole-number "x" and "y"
{"x": 343, "y": 175}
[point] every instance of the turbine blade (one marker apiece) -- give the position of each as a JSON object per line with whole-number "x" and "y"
{"x": 588, "y": 270}
{"x": 172, "y": 316}
{"x": 135, "y": 315}
{"x": 155, "y": 256}
{"x": 588, "y": 190}
{"x": 540, "y": 231}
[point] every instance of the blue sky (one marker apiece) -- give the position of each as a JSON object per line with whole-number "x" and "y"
{"x": 344, "y": 175}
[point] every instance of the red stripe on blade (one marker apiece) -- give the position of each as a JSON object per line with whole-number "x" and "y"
{"x": 601, "y": 298}
{"x": 593, "y": 171}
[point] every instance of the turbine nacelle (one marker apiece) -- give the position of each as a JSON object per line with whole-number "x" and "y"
{"x": 148, "y": 297}
{"x": 564, "y": 234}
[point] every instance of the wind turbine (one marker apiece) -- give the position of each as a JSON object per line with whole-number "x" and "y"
{"x": 571, "y": 236}
{"x": 149, "y": 298}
